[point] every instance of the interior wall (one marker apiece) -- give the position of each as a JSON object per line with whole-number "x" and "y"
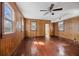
{"x": 9, "y": 42}
{"x": 0, "y": 19}
{"x": 71, "y": 29}
{"x": 52, "y": 29}
{"x": 40, "y": 31}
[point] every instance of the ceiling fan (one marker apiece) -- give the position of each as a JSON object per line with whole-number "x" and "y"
{"x": 50, "y": 9}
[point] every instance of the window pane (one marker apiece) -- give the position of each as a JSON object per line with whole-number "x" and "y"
{"x": 7, "y": 26}
{"x": 7, "y": 12}
{"x": 33, "y": 25}
{"x": 61, "y": 26}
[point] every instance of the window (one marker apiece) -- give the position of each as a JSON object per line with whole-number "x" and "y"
{"x": 33, "y": 25}
{"x": 61, "y": 25}
{"x": 22, "y": 24}
{"x": 18, "y": 25}
{"x": 8, "y": 19}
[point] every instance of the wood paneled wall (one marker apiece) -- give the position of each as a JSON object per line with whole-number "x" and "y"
{"x": 52, "y": 29}
{"x": 71, "y": 30}
{"x": 40, "y": 31}
{"x": 0, "y": 20}
{"x": 10, "y": 42}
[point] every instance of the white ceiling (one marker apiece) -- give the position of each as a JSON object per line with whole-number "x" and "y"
{"x": 32, "y": 10}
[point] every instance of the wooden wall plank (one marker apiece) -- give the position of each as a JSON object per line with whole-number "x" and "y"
{"x": 9, "y": 43}
{"x": 71, "y": 30}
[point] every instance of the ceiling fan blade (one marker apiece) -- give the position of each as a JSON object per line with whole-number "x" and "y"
{"x": 43, "y": 10}
{"x": 51, "y": 6}
{"x": 46, "y": 13}
{"x": 57, "y": 9}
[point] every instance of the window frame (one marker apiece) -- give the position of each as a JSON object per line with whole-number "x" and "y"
{"x": 61, "y": 26}
{"x": 6, "y": 18}
{"x": 33, "y": 25}
{"x": 22, "y": 24}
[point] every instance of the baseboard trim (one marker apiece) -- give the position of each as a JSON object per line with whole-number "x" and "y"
{"x": 33, "y": 37}
{"x": 16, "y": 48}
{"x": 70, "y": 41}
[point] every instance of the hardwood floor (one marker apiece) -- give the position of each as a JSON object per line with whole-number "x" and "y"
{"x": 42, "y": 46}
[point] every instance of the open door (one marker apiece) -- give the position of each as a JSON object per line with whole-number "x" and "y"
{"x": 47, "y": 30}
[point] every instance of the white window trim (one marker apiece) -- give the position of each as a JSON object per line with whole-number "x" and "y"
{"x": 8, "y": 32}
{"x": 22, "y": 24}
{"x": 13, "y": 18}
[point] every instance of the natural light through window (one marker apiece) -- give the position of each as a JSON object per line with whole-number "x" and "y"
{"x": 8, "y": 19}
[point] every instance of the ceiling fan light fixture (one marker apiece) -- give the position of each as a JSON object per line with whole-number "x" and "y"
{"x": 52, "y": 13}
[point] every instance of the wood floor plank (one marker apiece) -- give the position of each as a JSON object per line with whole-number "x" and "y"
{"x": 42, "y": 47}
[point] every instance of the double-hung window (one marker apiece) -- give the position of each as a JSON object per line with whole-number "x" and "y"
{"x": 8, "y": 19}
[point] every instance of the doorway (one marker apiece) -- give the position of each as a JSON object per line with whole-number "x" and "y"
{"x": 47, "y": 30}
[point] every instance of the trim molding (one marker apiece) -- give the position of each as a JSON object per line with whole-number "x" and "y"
{"x": 70, "y": 41}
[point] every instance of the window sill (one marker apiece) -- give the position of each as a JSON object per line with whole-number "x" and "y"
{"x": 7, "y": 33}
